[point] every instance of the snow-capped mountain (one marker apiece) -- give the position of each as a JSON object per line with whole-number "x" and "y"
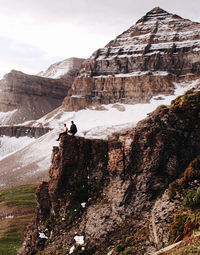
{"x": 159, "y": 42}
{"x": 62, "y": 68}
{"x": 141, "y": 62}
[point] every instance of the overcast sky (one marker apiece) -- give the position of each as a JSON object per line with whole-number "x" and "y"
{"x": 37, "y": 33}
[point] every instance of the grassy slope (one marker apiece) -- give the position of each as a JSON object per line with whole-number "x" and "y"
{"x": 17, "y": 207}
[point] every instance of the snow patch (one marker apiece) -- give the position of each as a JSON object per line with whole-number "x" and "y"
{"x": 58, "y": 69}
{"x": 42, "y": 235}
{"x": 71, "y": 249}
{"x": 79, "y": 240}
{"x": 139, "y": 73}
{"x": 8, "y": 217}
{"x": 9, "y": 145}
{"x": 83, "y": 204}
{"x": 6, "y": 116}
{"x": 77, "y": 96}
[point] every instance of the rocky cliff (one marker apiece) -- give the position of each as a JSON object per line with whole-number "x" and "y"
{"x": 19, "y": 131}
{"x": 143, "y": 61}
{"x": 25, "y": 97}
{"x": 110, "y": 197}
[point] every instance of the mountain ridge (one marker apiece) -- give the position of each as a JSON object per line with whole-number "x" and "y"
{"x": 62, "y": 69}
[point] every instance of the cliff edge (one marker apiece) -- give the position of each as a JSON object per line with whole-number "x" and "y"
{"x": 105, "y": 193}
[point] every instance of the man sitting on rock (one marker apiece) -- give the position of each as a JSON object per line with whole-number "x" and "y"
{"x": 73, "y": 128}
{"x": 63, "y": 133}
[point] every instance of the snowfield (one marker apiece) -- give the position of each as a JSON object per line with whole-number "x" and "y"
{"x": 9, "y": 145}
{"x": 98, "y": 124}
{"x": 25, "y": 160}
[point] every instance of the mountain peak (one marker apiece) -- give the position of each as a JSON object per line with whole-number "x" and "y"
{"x": 158, "y": 10}
{"x": 157, "y": 13}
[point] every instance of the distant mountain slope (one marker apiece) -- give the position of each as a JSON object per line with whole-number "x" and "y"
{"x": 140, "y": 63}
{"x": 63, "y": 69}
{"x": 26, "y": 97}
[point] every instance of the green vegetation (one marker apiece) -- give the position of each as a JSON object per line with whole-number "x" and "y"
{"x": 190, "y": 246}
{"x": 74, "y": 214}
{"x": 191, "y": 173}
{"x": 190, "y": 98}
{"x": 161, "y": 108}
{"x": 191, "y": 250}
{"x": 18, "y": 205}
{"x": 119, "y": 247}
{"x": 20, "y": 196}
{"x": 192, "y": 199}
{"x": 132, "y": 243}
{"x": 177, "y": 227}
{"x": 187, "y": 220}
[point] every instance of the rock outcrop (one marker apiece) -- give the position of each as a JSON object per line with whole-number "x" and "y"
{"x": 19, "y": 131}
{"x": 26, "y": 97}
{"x": 104, "y": 197}
{"x": 142, "y": 62}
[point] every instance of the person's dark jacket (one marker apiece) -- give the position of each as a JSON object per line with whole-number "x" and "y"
{"x": 73, "y": 129}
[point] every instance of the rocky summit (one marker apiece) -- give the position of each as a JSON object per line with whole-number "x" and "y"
{"x": 143, "y": 61}
{"x": 112, "y": 197}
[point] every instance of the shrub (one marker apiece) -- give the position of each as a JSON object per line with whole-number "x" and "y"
{"x": 193, "y": 171}
{"x": 172, "y": 189}
{"x": 128, "y": 251}
{"x": 161, "y": 109}
{"x": 192, "y": 223}
{"x": 119, "y": 247}
{"x": 192, "y": 199}
{"x": 177, "y": 227}
{"x": 176, "y": 186}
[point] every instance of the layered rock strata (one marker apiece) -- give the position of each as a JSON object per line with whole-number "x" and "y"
{"x": 141, "y": 62}
{"x": 25, "y": 97}
{"x": 19, "y": 131}
{"x": 102, "y": 191}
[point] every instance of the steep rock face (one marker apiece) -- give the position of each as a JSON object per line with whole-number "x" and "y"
{"x": 66, "y": 69}
{"x": 26, "y": 97}
{"x": 161, "y": 46}
{"x": 134, "y": 89}
{"x": 19, "y": 131}
{"x": 100, "y": 191}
